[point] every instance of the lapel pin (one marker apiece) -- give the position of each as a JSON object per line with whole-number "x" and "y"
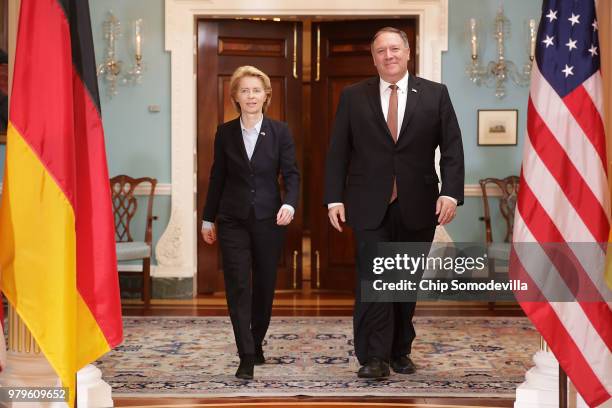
{"x": 262, "y": 133}
{"x": 414, "y": 90}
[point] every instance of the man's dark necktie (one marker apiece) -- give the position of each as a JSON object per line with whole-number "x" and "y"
{"x": 392, "y": 123}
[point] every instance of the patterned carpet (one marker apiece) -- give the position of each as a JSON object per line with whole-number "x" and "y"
{"x": 196, "y": 357}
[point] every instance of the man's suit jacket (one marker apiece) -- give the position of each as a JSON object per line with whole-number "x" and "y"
{"x": 363, "y": 158}
{"x": 237, "y": 183}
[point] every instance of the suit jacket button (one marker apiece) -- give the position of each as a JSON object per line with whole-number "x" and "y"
{"x": 252, "y": 191}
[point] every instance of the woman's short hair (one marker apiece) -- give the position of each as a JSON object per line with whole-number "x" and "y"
{"x": 249, "y": 71}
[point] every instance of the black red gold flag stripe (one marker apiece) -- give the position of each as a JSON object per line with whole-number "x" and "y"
{"x": 57, "y": 244}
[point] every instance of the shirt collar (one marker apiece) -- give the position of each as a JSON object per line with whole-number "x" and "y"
{"x": 402, "y": 84}
{"x": 257, "y": 125}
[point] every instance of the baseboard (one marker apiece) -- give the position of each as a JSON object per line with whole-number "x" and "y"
{"x": 130, "y": 268}
{"x": 161, "y": 287}
{"x": 137, "y": 268}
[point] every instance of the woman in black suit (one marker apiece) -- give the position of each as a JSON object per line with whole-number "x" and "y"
{"x": 245, "y": 200}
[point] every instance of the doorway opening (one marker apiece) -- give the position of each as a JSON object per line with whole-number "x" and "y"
{"x": 309, "y": 62}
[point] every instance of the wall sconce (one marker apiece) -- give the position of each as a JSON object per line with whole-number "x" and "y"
{"x": 498, "y": 71}
{"x": 110, "y": 70}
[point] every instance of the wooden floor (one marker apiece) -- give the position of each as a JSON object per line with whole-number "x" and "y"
{"x": 311, "y": 303}
{"x": 304, "y": 402}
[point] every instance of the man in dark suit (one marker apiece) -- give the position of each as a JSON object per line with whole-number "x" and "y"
{"x": 381, "y": 180}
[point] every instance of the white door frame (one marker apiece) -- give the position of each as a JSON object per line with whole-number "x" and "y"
{"x": 176, "y": 250}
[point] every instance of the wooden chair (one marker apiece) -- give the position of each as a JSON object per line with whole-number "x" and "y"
{"x": 499, "y": 251}
{"x": 124, "y": 208}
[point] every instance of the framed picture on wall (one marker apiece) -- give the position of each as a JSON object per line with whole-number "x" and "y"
{"x": 497, "y": 127}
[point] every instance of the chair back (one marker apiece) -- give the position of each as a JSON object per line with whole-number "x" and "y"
{"x": 123, "y": 190}
{"x": 509, "y": 187}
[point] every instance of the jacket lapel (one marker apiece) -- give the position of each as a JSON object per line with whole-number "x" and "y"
{"x": 373, "y": 90}
{"x": 239, "y": 140}
{"x": 412, "y": 99}
{"x": 264, "y": 132}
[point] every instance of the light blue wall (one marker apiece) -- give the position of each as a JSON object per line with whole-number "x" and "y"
{"x": 484, "y": 161}
{"x": 138, "y": 142}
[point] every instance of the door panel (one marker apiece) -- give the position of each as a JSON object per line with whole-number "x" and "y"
{"x": 340, "y": 57}
{"x": 252, "y": 47}
{"x": 223, "y": 46}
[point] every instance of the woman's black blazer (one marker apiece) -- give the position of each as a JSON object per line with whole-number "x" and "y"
{"x": 237, "y": 183}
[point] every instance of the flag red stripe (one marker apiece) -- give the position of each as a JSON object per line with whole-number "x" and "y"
{"x": 565, "y": 349}
{"x": 570, "y": 135}
{"x": 563, "y": 170}
{"x": 568, "y": 200}
{"x": 600, "y": 316}
{"x": 97, "y": 278}
{"x": 534, "y": 294}
{"x": 65, "y": 113}
{"x": 560, "y": 255}
{"x": 569, "y": 355}
{"x": 543, "y": 229}
{"x": 47, "y": 132}
{"x": 586, "y": 114}
{"x": 532, "y": 211}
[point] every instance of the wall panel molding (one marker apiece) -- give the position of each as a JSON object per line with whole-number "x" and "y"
{"x": 165, "y": 189}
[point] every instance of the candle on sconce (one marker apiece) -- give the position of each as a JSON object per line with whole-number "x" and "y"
{"x": 474, "y": 37}
{"x": 497, "y": 72}
{"x": 532, "y": 38}
{"x": 138, "y": 37}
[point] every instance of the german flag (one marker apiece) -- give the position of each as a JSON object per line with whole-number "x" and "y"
{"x": 57, "y": 245}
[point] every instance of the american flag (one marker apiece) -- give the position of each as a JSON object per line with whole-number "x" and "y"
{"x": 564, "y": 194}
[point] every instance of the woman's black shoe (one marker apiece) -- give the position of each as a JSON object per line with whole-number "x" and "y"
{"x": 259, "y": 356}
{"x": 245, "y": 369}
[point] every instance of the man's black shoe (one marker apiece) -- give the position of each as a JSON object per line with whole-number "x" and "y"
{"x": 374, "y": 368}
{"x": 403, "y": 365}
{"x": 245, "y": 369}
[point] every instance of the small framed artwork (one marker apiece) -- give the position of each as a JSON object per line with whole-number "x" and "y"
{"x": 497, "y": 127}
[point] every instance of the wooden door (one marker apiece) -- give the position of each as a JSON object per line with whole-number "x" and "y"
{"x": 274, "y": 48}
{"x": 340, "y": 57}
